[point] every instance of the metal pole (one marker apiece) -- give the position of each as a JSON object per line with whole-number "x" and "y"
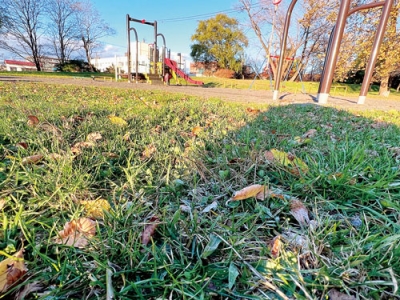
{"x": 129, "y": 48}
{"x": 155, "y": 48}
{"x": 332, "y": 55}
{"x": 283, "y": 49}
{"x": 380, "y": 32}
{"x": 163, "y": 53}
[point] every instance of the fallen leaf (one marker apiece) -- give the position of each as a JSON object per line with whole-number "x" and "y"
{"x": 252, "y": 110}
{"x": 310, "y": 133}
{"x": 2, "y": 203}
{"x": 12, "y": 269}
{"x": 95, "y": 208}
{"x": 149, "y": 230}
{"x": 210, "y": 207}
{"x": 55, "y": 156}
{"x": 196, "y": 130}
{"x": 33, "y": 121}
{"x": 296, "y": 240}
{"x": 294, "y": 164}
{"x": 77, "y": 147}
{"x": 299, "y": 212}
{"x": 276, "y": 245}
{"x": 46, "y": 126}
{"x": 77, "y": 233}
{"x": 94, "y": 137}
{"x": 185, "y": 208}
{"x": 110, "y": 154}
{"x": 336, "y": 295}
{"x": 148, "y": 152}
{"x": 22, "y": 145}
{"x": 28, "y": 289}
{"x": 31, "y": 160}
{"x": 117, "y": 121}
{"x": 248, "y": 192}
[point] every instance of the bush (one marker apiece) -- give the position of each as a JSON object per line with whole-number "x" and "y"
{"x": 74, "y": 66}
{"x": 224, "y": 73}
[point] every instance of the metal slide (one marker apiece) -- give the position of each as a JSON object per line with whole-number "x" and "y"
{"x": 174, "y": 67}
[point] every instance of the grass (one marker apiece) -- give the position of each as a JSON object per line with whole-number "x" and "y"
{"x": 182, "y": 160}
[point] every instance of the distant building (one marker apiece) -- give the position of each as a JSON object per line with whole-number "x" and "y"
{"x": 201, "y": 69}
{"x": 145, "y": 52}
{"x": 17, "y": 65}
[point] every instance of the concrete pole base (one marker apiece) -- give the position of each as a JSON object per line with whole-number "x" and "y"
{"x": 322, "y": 98}
{"x": 361, "y": 99}
{"x": 275, "y": 95}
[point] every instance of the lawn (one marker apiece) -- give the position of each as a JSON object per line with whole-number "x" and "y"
{"x": 131, "y": 194}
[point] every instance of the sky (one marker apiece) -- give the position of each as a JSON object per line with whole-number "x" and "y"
{"x": 177, "y": 20}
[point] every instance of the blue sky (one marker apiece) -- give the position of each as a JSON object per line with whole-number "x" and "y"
{"x": 177, "y": 21}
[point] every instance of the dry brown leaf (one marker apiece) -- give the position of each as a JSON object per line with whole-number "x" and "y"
{"x": 149, "y": 230}
{"x": 33, "y": 121}
{"x": 310, "y": 133}
{"x": 33, "y": 159}
{"x": 252, "y": 110}
{"x": 55, "y": 156}
{"x": 82, "y": 145}
{"x": 12, "y": 269}
{"x": 148, "y": 152}
{"x": 77, "y": 233}
{"x": 336, "y": 295}
{"x": 248, "y": 192}
{"x": 299, "y": 212}
{"x": 28, "y": 289}
{"x": 2, "y": 203}
{"x": 22, "y": 145}
{"x": 94, "y": 137}
{"x": 264, "y": 194}
{"x": 110, "y": 154}
{"x": 46, "y": 126}
{"x": 276, "y": 245}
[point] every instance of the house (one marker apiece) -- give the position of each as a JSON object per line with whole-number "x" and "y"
{"x": 17, "y": 65}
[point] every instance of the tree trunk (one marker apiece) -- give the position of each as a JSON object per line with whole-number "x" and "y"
{"x": 384, "y": 87}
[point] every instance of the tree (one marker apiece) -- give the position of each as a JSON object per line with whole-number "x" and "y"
{"x": 91, "y": 28}
{"x": 219, "y": 39}
{"x": 62, "y": 30}
{"x": 308, "y": 34}
{"x": 23, "y": 28}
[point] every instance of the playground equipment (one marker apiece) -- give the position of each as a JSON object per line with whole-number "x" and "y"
{"x": 174, "y": 68}
{"x": 334, "y": 45}
{"x": 158, "y": 62}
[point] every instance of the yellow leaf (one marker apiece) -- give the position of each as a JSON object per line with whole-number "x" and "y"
{"x": 118, "y": 121}
{"x": 294, "y": 164}
{"x": 95, "y": 208}
{"x": 196, "y": 130}
{"x": 12, "y": 269}
{"x": 248, "y": 192}
{"x": 77, "y": 233}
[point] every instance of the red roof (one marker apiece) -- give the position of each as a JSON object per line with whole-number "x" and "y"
{"x": 19, "y": 63}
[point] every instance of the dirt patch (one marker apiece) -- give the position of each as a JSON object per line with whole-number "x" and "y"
{"x": 244, "y": 96}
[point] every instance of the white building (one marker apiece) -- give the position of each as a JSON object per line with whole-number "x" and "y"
{"x": 16, "y": 65}
{"x": 144, "y": 51}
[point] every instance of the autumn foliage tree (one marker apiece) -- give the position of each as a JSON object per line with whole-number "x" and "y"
{"x": 219, "y": 39}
